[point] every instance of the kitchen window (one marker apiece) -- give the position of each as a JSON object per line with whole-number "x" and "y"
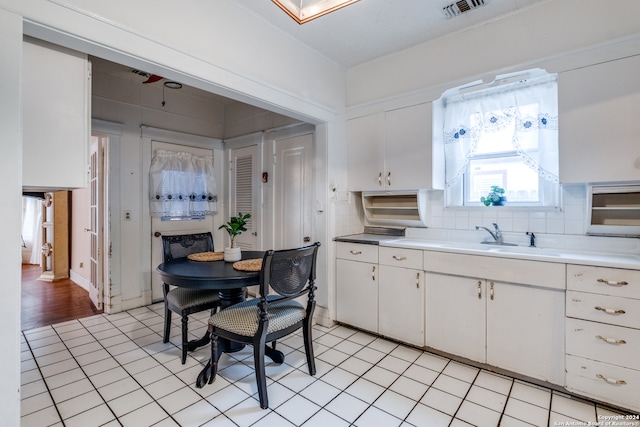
{"x": 505, "y": 135}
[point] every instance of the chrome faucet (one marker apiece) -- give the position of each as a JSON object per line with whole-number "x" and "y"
{"x": 497, "y": 235}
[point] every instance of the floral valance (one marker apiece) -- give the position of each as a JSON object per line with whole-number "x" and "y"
{"x": 524, "y": 113}
{"x": 181, "y": 185}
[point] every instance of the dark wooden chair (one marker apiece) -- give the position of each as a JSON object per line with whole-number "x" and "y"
{"x": 186, "y": 301}
{"x": 290, "y": 274}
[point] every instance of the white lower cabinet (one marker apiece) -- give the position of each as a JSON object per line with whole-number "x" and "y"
{"x": 456, "y": 315}
{"x": 357, "y": 285}
{"x": 603, "y": 334}
{"x": 401, "y": 304}
{"x": 385, "y": 297}
{"x": 525, "y": 331}
{"x": 514, "y": 326}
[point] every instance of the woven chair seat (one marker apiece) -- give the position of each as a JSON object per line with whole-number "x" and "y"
{"x": 242, "y": 319}
{"x": 184, "y": 298}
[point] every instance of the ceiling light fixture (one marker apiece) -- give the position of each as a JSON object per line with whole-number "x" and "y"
{"x": 305, "y": 10}
{"x": 173, "y": 85}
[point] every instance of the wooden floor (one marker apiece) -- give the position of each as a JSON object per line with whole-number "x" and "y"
{"x": 46, "y": 303}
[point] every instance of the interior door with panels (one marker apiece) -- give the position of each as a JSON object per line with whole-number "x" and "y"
{"x": 160, "y": 227}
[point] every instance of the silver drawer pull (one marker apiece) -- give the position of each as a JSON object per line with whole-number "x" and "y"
{"x": 399, "y": 258}
{"x": 612, "y": 282}
{"x": 355, "y": 252}
{"x": 373, "y": 273}
{"x": 611, "y": 380}
{"x": 610, "y": 340}
{"x": 610, "y": 310}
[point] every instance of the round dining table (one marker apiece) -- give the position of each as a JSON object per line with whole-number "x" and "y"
{"x": 217, "y": 276}
{"x": 213, "y": 275}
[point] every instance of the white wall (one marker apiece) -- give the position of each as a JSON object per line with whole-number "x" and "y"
{"x": 543, "y": 35}
{"x": 10, "y": 215}
{"x": 557, "y": 35}
{"x": 215, "y": 46}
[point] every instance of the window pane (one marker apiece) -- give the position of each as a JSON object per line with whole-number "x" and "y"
{"x": 519, "y": 180}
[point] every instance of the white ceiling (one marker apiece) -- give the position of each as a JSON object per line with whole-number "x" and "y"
{"x": 369, "y": 29}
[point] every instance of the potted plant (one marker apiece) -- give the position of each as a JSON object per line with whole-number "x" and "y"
{"x": 495, "y": 197}
{"x": 235, "y": 226}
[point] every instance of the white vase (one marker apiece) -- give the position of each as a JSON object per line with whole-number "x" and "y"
{"x": 232, "y": 254}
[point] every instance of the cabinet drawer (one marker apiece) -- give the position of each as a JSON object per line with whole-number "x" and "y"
{"x": 358, "y": 252}
{"x": 598, "y": 380}
{"x": 603, "y": 280}
{"x": 409, "y": 258}
{"x": 603, "y": 308}
{"x": 598, "y": 341}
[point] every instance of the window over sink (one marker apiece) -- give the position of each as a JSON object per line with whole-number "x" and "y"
{"x": 502, "y": 134}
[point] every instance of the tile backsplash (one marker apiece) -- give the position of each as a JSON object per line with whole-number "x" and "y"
{"x": 571, "y": 219}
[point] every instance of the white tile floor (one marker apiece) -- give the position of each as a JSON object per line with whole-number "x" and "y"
{"x": 114, "y": 370}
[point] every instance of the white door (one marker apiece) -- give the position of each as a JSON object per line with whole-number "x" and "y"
{"x": 244, "y": 194}
{"x": 96, "y": 290}
{"x": 293, "y": 192}
{"x": 159, "y": 227}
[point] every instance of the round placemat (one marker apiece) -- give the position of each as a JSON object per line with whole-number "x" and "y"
{"x": 206, "y": 256}
{"x": 248, "y": 264}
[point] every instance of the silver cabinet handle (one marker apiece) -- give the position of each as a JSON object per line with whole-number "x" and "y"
{"x": 609, "y": 310}
{"x": 355, "y": 252}
{"x": 418, "y": 280}
{"x": 373, "y": 273}
{"x": 479, "y": 289}
{"x": 612, "y": 282}
{"x": 491, "y": 291}
{"x": 389, "y": 179}
{"x": 610, "y": 340}
{"x": 611, "y": 380}
{"x": 380, "y": 178}
{"x": 399, "y": 258}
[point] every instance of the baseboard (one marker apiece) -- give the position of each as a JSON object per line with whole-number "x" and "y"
{"x": 79, "y": 280}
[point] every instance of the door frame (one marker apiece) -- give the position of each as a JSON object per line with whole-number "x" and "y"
{"x": 147, "y": 135}
{"x": 111, "y": 133}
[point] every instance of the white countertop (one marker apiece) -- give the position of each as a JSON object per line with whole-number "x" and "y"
{"x": 550, "y": 254}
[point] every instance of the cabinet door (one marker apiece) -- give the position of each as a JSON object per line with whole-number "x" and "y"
{"x": 365, "y": 151}
{"x": 407, "y": 149}
{"x": 525, "y": 330}
{"x": 55, "y": 107}
{"x": 456, "y": 316}
{"x": 599, "y": 108}
{"x": 357, "y": 294}
{"x": 401, "y": 304}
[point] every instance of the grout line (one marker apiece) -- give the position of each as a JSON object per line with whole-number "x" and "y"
{"x": 42, "y": 376}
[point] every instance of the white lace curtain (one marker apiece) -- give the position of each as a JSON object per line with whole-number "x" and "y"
{"x": 181, "y": 185}
{"x": 526, "y": 113}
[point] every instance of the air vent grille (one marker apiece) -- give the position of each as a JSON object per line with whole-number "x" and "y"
{"x": 459, "y": 7}
{"x": 140, "y": 73}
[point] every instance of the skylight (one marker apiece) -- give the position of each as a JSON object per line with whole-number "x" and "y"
{"x": 305, "y": 10}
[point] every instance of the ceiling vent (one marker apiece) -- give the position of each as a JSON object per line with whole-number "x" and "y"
{"x": 459, "y": 7}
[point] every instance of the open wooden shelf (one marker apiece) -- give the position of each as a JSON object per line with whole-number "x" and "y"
{"x": 614, "y": 209}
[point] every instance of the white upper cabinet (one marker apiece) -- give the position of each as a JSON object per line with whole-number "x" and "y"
{"x": 391, "y": 150}
{"x": 599, "y": 108}
{"x": 56, "y": 86}
{"x": 365, "y": 145}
